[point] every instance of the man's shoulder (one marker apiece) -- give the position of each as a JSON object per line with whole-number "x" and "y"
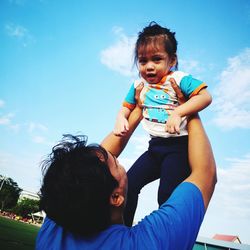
{"x": 182, "y": 214}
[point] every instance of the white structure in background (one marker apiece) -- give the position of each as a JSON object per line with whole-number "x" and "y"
{"x": 38, "y": 216}
{"x": 28, "y": 195}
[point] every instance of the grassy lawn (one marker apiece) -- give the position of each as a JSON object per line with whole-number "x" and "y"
{"x": 17, "y": 235}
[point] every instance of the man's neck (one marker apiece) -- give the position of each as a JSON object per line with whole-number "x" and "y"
{"x": 117, "y": 215}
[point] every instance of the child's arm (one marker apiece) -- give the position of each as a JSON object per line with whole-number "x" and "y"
{"x": 116, "y": 144}
{"x": 193, "y": 105}
{"x": 121, "y": 123}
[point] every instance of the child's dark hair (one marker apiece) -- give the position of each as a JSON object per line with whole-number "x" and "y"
{"x": 77, "y": 185}
{"x": 151, "y": 34}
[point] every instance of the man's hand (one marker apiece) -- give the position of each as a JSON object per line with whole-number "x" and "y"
{"x": 181, "y": 98}
{"x": 174, "y": 120}
{"x": 137, "y": 94}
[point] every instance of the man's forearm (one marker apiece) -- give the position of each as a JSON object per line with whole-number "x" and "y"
{"x": 201, "y": 159}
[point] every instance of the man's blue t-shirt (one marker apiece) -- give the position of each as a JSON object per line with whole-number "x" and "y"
{"x": 175, "y": 225}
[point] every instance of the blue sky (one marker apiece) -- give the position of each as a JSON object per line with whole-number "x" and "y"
{"x": 65, "y": 67}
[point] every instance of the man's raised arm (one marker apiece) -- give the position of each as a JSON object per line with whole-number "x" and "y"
{"x": 201, "y": 159}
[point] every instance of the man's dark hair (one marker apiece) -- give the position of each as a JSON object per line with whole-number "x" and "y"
{"x": 77, "y": 185}
{"x": 154, "y": 33}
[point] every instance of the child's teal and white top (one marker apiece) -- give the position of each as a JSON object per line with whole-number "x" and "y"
{"x": 159, "y": 100}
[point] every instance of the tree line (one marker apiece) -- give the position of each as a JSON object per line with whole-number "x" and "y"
{"x": 9, "y": 199}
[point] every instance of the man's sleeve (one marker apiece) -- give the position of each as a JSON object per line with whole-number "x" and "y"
{"x": 191, "y": 86}
{"x": 175, "y": 225}
{"x": 129, "y": 101}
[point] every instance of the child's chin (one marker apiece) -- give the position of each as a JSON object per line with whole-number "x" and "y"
{"x": 152, "y": 80}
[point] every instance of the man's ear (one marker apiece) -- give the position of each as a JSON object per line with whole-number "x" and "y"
{"x": 116, "y": 199}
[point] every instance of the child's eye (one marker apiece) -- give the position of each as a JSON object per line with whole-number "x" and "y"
{"x": 142, "y": 61}
{"x": 157, "y": 59}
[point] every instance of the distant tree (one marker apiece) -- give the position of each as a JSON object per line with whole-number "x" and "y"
{"x": 26, "y": 206}
{"x": 9, "y": 193}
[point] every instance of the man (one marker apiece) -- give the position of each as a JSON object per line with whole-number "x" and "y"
{"x": 84, "y": 194}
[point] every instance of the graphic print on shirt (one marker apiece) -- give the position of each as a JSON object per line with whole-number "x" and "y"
{"x": 157, "y": 102}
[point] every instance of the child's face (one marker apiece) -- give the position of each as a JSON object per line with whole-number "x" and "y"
{"x": 154, "y": 63}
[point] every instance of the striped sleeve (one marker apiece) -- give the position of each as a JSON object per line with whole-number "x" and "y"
{"x": 129, "y": 101}
{"x": 191, "y": 86}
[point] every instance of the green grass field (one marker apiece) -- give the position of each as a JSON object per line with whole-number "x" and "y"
{"x": 17, "y": 235}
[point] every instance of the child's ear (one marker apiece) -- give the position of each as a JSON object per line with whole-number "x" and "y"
{"x": 116, "y": 199}
{"x": 173, "y": 61}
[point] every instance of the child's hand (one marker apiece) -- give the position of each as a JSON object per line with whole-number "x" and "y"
{"x": 121, "y": 126}
{"x": 173, "y": 123}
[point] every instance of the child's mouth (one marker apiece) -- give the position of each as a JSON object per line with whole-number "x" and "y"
{"x": 151, "y": 75}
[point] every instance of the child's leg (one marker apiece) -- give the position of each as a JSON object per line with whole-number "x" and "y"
{"x": 142, "y": 172}
{"x": 174, "y": 169}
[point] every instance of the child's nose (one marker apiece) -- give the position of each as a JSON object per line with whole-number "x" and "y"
{"x": 150, "y": 66}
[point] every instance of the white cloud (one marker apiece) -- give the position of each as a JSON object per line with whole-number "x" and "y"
{"x": 37, "y": 133}
{"x": 233, "y": 189}
{"x": 119, "y": 56}
{"x": 38, "y": 139}
{"x": 6, "y": 119}
{"x": 228, "y": 212}
{"x": 19, "y": 32}
{"x": 1, "y": 103}
{"x": 126, "y": 162}
{"x": 32, "y": 126}
{"x": 15, "y": 127}
{"x": 140, "y": 143}
{"x": 193, "y": 66}
{"x": 24, "y": 169}
{"x": 232, "y": 96}
{"x": 15, "y": 30}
